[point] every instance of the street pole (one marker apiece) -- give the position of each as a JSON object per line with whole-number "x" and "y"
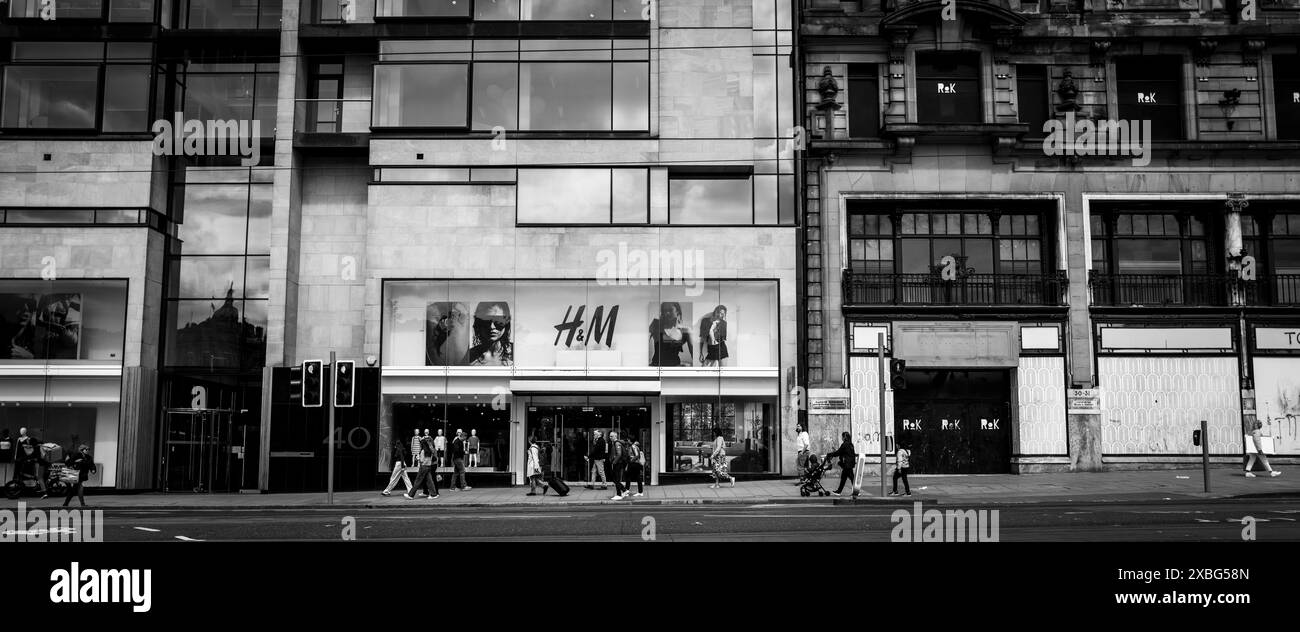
{"x": 329, "y": 487}
{"x": 880, "y": 353}
{"x": 1205, "y": 453}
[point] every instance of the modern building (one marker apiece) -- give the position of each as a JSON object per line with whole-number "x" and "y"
{"x": 1064, "y": 297}
{"x": 521, "y": 218}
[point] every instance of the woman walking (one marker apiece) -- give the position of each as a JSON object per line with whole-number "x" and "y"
{"x": 84, "y": 465}
{"x": 635, "y": 468}
{"x": 719, "y": 459}
{"x": 1256, "y": 436}
{"x": 534, "y": 469}
{"x": 399, "y": 469}
{"x": 427, "y": 480}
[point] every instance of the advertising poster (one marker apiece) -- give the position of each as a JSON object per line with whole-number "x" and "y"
{"x": 1277, "y": 401}
{"x": 40, "y": 326}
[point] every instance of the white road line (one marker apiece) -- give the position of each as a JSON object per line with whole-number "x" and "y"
{"x": 147, "y": 529}
{"x": 185, "y": 539}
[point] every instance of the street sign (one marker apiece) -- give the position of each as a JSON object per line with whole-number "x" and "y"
{"x": 1083, "y": 401}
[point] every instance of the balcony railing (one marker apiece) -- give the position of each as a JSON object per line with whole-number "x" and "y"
{"x": 332, "y": 116}
{"x": 1161, "y": 289}
{"x": 864, "y": 288}
{"x": 1277, "y": 289}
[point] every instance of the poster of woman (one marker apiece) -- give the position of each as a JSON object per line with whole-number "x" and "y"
{"x": 492, "y": 344}
{"x": 671, "y": 341}
{"x": 713, "y": 337}
{"x": 40, "y": 327}
{"x": 447, "y": 333}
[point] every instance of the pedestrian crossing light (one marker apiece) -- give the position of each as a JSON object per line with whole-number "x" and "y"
{"x": 1196, "y": 438}
{"x": 344, "y": 385}
{"x": 897, "y": 379}
{"x": 312, "y": 394}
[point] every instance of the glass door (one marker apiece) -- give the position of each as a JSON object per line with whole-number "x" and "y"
{"x": 564, "y": 435}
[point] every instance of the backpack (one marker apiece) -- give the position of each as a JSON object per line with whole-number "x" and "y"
{"x": 638, "y": 455}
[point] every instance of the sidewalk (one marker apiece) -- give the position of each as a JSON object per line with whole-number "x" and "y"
{"x": 997, "y": 488}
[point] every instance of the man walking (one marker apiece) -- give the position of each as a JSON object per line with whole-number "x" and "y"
{"x": 599, "y": 449}
{"x": 458, "y": 461}
{"x": 848, "y": 458}
{"x": 618, "y": 460}
{"x": 426, "y": 480}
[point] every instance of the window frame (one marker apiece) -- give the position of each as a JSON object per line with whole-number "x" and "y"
{"x": 101, "y": 65}
{"x": 861, "y": 77}
{"x": 981, "y": 116}
{"x": 895, "y": 236}
{"x": 1124, "y": 109}
{"x": 471, "y": 58}
{"x": 689, "y": 174}
{"x": 105, "y": 14}
{"x": 1291, "y": 83}
{"x": 1044, "y": 98}
{"x": 1109, "y": 218}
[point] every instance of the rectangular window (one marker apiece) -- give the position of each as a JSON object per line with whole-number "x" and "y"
{"x": 1152, "y": 258}
{"x": 1151, "y": 89}
{"x": 57, "y": 86}
{"x": 564, "y": 196}
{"x": 948, "y": 88}
{"x": 864, "y": 101}
{"x": 228, "y": 14}
{"x": 422, "y": 9}
{"x": 51, "y": 97}
{"x": 233, "y": 91}
{"x": 421, "y": 95}
{"x": 64, "y": 9}
{"x": 1286, "y": 95}
{"x": 700, "y": 199}
{"x": 526, "y": 85}
{"x": 1032, "y": 100}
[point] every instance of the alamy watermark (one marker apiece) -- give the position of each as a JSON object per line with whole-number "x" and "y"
{"x": 58, "y": 525}
{"x": 634, "y": 266}
{"x": 213, "y": 137}
{"x": 1106, "y": 137}
{"x": 954, "y": 525}
{"x": 92, "y": 585}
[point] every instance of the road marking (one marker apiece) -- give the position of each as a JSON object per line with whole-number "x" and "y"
{"x": 185, "y": 539}
{"x": 147, "y": 529}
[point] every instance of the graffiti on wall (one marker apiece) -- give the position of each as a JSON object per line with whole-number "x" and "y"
{"x": 1277, "y": 401}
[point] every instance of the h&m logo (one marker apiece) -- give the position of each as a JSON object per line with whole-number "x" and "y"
{"x": 947, "y": 88}
{"x": 600, "y": 327}
{"x": 1145, "y": 97}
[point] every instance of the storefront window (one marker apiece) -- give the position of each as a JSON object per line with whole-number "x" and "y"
{"x": 747, "y": 426}
{"x": 62, "y": 320}
{"x": 486, "y": 429}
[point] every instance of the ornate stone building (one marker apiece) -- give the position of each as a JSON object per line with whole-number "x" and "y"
{"x": 1075, "y": 222}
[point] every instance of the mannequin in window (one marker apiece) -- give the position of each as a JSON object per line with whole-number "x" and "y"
{"x": 473, "y": 447}
{"x": 440, "y": 448}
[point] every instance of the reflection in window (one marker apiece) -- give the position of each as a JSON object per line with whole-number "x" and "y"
{"x": 217, "y": 335}
{"x": 232, "y": 92}
{"x": 710, "y": 200}
{"x": 747, "y": 429}
{"x": 564, "y": 196}
{"x": 65, "y": 9}
{"x": 62, "y": 320}
{"x": 228, "y": 14}
{"x": 48, "y": 97}
{"x": 565, "y": 96}
{"x": 422, "y": 8}
{"x": 421, "y": 95}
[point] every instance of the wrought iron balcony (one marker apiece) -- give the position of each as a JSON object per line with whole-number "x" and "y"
{"x": 866, "y": 288}
{"x": 1161, "y": 289}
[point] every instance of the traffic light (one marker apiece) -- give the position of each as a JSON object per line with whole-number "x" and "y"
{"x": 312, "y": 394}
{"x": 1196, "y": 438}
{"x": 344, "y": 385}
{"x": 897, "y": 379}
{"x": 295, "y": 384}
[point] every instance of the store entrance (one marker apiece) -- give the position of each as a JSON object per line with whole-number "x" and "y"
{"x": 564, "y": 435}
{"x": 957, "y": 421}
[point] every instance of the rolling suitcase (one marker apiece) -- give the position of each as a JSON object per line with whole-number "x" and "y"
{"x": 560, "y": 487}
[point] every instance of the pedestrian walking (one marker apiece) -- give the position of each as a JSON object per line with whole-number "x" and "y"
{"x": 635, "y": 468}
{"x": 534, "y": 469}
{"x": 28, "y": 454}
{"x": 719, "y": 460}
{"x": 803, "y": 443}
{"x": 902, "y": 465}
{"x": 618, "y": 458}
{"x": 458, "y": 453}
{"x": 1257, "y": 437}
{"x": 399, "y": 469}
{"x": 426, "y": 481}
{"x": 848, "y": 456}
{"x": 84, "y": 465}
{"x": 596, "y": 458}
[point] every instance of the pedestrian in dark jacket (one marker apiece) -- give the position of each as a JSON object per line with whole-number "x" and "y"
{"x": 84, "y": 465}
{"x": 599, "y": 450}
{"x": 426, "y": 480}
{"x": 618, "y": 455}
{"x": 848, "y": 457}
{"x": 458, "y": 454}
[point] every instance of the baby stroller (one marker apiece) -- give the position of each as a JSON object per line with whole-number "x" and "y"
{"x": 811, "y": 481}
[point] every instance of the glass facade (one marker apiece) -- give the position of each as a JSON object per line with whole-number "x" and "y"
{"x": 749, "y": 428}
{"x": 87, "y": 86}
